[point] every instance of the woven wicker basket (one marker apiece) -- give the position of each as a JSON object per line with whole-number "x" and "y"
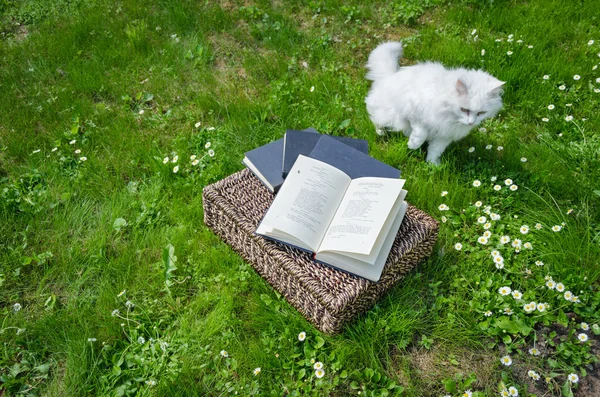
{"x": 327, "y": 297}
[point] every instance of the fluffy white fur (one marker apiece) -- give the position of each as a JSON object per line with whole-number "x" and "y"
{"x": 428, "y": 102}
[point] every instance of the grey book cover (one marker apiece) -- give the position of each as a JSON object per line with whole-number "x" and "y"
{"x": 303, "y": 142}
{"x": 354, "y": 163}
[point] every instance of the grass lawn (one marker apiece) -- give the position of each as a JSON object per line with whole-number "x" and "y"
{"x": 96, "y": 94}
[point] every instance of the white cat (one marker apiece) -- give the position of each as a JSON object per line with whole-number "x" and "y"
{"x": 428, "y": 102}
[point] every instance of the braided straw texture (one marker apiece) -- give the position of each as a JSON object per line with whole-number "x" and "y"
{"x": 328, "y": 298}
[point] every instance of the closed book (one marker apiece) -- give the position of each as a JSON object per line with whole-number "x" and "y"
{"x": 351, "y": 161}
{"x": 265, "y": 163}
{"x": 296, "y": 143}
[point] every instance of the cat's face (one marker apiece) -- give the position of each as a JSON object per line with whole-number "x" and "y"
{"x": 477, "y": 98}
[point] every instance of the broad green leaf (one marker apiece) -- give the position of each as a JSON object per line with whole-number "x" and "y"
{"x": 119, "y": 223}
{"x": 320, "y": 342}
{"x": 169, "y": 260}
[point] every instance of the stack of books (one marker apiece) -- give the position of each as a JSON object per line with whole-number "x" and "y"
{"x": 333, "y": 199}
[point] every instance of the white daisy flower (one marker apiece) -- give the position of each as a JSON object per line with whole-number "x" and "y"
{"x": 175, "y": 159}
{"x": 530, "y": 307}
{"x": 568, "y": 295}
{"x": 319, "y": 373}
{"x": 458, "y": 246}
{"x": 443, "y": 207}
{"x": 542, "y": 307}
{"x": 444, "y": 219}
{"x": 551, "y": 107}
{"x": 582, "y": 337}
{"x": 513, "y": 187}
{"x": 523, "y": 159}
{"x": 508, "y": 311}
{"x": 482, "y": 219}
{"x": 504, "y": 291}
{"x": 590, "y": 42}
{"x": 504, "y": 393}
{"x": 73, "y": 142}
{"x": 487, "y": 313}
{"x": 482, "y": 129}
{"x": 569, "y": 118}
{"x": 476, "y": 183}
{"x": 83, "y": 158}
{"x": 584, "y": 326}
{"x": 538, "y": 226}
{"x": 573, "y": 378}
{"x": 539, "y": 263}
{"x": 488, "y": 147}
{"x": 504, "y": 239}
{"x": 482, "y": 240}
{"x": 471, "y": 149}
{"x": 302, "y": 336}
{"x": 487, "y": 225}
{"x": 193, "y": 157}
{"x": 482, "y": 52}
{"x": 534, "y": 352}
{"x": 478, "y": 204}
{"x": 115, "y": 313}
{"x": 524, "y": 229}
{"x": 256, "y": 371}
{"x": 516, "y": 243}
{"x": 556, "y": 228}
{"x": 528, "y": 246}
{"x": 207, "y": 145}
{"x": 560, "y": 287}
{"x": 121, "y": 293}
{"x": 151, "y": 382}
{"x": 513, "y": 391}
{"x": 165, "y": 160}
{"x": 176, "y": 169}
{"x": 495, "y": 217}
{"x": 141, "y": 340}
{"x": 546, "y": 77}
{"x": 211, "y": 153}
{"x": 509, "y": 53}
{"x": 487, "y": 234}
{"x": 551, "y": 284}
{"x": 497, "y": 188}
{"x": 91, "y": 340}
{"x": 444, "y": 193}
{"x": 562, "y": 87}
{"x": 517, "y": 294}
{"x": 506, "y": 360}
{"x": 198, "y": 124}
{"x": 195, "y": 162}
{"x": 576, "y": 77}
{"x": 530, "y": 46}
{"x": 318, "y": 365}
{"x": 467, "y": 393}
{"x": 495, "y": 253}
{"x": 500, "y": 148}
{"x": 224, "y": 353}
{"x": 508, "y": 182}
{"x": 545, "y": 119}
{"x": 569, "y": 211}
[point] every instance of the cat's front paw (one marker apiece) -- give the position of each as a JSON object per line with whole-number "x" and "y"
{"x": 413, "y": 145}
{"x": 380, "y": 131}
{"x": 433, "y": 160}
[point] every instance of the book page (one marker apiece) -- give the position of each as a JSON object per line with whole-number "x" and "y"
{"x": 361, "y": 215}
{"x": 306, "y": 203}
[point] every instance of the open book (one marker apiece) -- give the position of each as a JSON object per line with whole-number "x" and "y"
{"x": 347, "y": 223}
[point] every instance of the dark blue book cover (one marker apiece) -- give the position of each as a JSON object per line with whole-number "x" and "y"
{"x": 303, "y": 142}
{"x": 265, "y": 162}
{"x": 354, "y": 163}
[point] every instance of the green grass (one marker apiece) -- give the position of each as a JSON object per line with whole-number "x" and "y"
{"x": 86, "y": 70}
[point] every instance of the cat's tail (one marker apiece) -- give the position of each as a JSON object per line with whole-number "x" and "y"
{"x": 383, "y": 60}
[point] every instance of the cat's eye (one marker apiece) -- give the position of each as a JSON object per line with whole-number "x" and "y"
{"x": 480, "y": 113}
{"x": 464, "y": 110}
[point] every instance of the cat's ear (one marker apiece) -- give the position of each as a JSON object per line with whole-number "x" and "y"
{"x": 496, "y": 87}
{"x": 461, "y": 88}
